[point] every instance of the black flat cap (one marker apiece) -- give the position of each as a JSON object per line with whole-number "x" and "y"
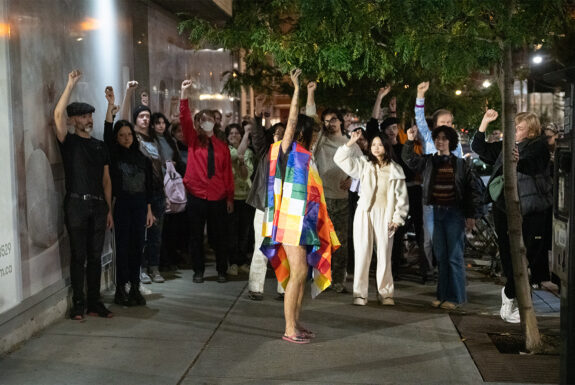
{"x": 76, "y": 109}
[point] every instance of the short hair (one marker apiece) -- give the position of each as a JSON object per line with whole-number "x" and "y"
{"x": 438, "y": 113}
{"x": 450, "y": 133}
{"x": 532, "y": 121}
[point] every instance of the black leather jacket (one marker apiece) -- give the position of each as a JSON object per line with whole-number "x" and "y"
{"x": 468, "y": 186}
{"x": 533, "y": 178}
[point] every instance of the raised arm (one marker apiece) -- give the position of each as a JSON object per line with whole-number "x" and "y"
{"x": 420, "y": 112}
{"x": 110, "y": 112}
{"x": 293, "y": 112}
{"x": 487, "y": 151}
{"x": 126, "y": 105}
{"x": 346, "y": 159}
{"x": 186, "y": 120}
{"x": 376, "y": 112}
{"x": 413, "y": 160}
{"x": 310, "y": 108}
{"x": 60, "y": 114}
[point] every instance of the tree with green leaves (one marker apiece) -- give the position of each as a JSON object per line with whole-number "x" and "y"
{"x": 353, "y": 47}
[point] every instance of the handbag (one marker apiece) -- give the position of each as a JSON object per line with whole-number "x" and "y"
{"x": 496, "y": 187}
{"x": 176, "y": 197}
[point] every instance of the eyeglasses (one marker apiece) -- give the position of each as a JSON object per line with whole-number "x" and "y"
{"x": 332, "y": 120}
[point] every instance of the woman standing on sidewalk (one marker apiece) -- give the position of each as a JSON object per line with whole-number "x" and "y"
{"x": 131, "y": 174}
{"x": 381, "y": 210}
{"x": 454, "y": 191}
{"x": 297, "y": 228}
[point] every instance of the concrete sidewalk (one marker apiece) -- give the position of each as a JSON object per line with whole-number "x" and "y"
{"x": 212, "y": 333}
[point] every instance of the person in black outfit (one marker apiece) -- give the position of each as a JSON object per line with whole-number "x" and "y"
{"x": 131, "y": 174}
{"x": 87, "y": 205}
{"x": 534, "y": 187}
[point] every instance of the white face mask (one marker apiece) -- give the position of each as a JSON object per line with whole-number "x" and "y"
{"x": 207, "y": 126}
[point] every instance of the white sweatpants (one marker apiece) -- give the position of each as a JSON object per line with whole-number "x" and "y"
{"x": 259, "y": 263}
{"x": 366, "y": 227}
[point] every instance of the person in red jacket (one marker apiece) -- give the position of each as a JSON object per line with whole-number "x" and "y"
{"x": 210, "y": 185}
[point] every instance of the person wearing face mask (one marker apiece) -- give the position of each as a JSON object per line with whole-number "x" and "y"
{"x": 534, "y": 186}
{"x": 210, "y": 184}
{"x": 131, "y": 174}
{"x": 336, "y": 184}
{"x": 88, "y": 201}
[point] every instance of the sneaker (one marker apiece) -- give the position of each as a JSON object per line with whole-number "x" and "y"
{"x": 156, "y": 276}
{"x": 509, "y": 311}
{"x": 144, "y": 277}
{"x": 339, "y": 288}
{"x": 198, "y": 278}
{"x": 387, "y": 301}
{"x": 359, "y": 301}
{"x": 506, "y": 306}
{"x": 98, "y": 309}
{"x": 446, "y": 305}
{"x": 255, "y": 296}
{"x": 435, "y": 303}
{"x": 144, "y": 290}
{"x": 121, "y": 296}
{"x": 222, "y": 278}
{"x": 232, "y": 270}
{"x": 135, "y": 298}
{"x": 245, "y": 268}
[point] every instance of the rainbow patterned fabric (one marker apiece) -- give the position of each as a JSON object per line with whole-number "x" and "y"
{"x": 296, "y": 214}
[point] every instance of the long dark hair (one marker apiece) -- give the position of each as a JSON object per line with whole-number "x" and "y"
{"x": 304, "y": 129}
{"x": 123, "y": 123}
{"x": 387, "y": 156}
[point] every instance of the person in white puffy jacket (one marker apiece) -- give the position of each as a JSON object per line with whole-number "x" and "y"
{"x": 381, "y": 209}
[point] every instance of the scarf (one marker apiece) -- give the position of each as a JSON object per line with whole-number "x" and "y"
{"x": 296, "y": 214}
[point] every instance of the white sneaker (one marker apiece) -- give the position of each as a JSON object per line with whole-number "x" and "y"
{"x": 144, "y": 290}
{"x": 232, "y": 270}
{"x": 144, "y": 277}
{"x": 509, "y": 311}
{"x": 245, "y": 268}
{"x": 360, "y": 301}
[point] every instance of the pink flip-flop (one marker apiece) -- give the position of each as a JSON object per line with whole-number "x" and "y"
{"x": 296, "y": 339}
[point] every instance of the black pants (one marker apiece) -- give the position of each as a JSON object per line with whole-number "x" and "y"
{"x": 240, "y": 222}
{"x": 533, "y": 228}
{"x": 86, "y": 224}
{"x": 129, "y": 229}
{"x": 214, "y": 213}
{"x": 352, "y": 199}
{"x": 175, "y": 239}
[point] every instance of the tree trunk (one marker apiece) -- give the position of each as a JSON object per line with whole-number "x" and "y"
{"x": 514, "y": 219}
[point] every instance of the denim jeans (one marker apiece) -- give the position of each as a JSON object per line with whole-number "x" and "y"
{"x": 428, "y": 235}
{"x": 448, "y": 246}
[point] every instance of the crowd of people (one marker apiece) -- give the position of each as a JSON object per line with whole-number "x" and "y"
{"x": 317, "y": 196}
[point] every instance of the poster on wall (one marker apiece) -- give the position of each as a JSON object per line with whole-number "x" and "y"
{"x": 10, "y": 285}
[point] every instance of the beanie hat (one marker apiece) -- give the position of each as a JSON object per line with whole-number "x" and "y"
{"x": 77, "y": 109}
{"x": 141, "y": 108}
{"x": 388, "y": 122}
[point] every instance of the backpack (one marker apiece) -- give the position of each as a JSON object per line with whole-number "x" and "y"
{"x": 175, "y": 191}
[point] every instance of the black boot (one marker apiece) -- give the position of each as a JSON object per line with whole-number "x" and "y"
{"x": 121, "y": 297}
{"x": 135, "y": 298}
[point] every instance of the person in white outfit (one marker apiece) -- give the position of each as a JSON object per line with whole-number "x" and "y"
{"x": 381, "y": 209}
